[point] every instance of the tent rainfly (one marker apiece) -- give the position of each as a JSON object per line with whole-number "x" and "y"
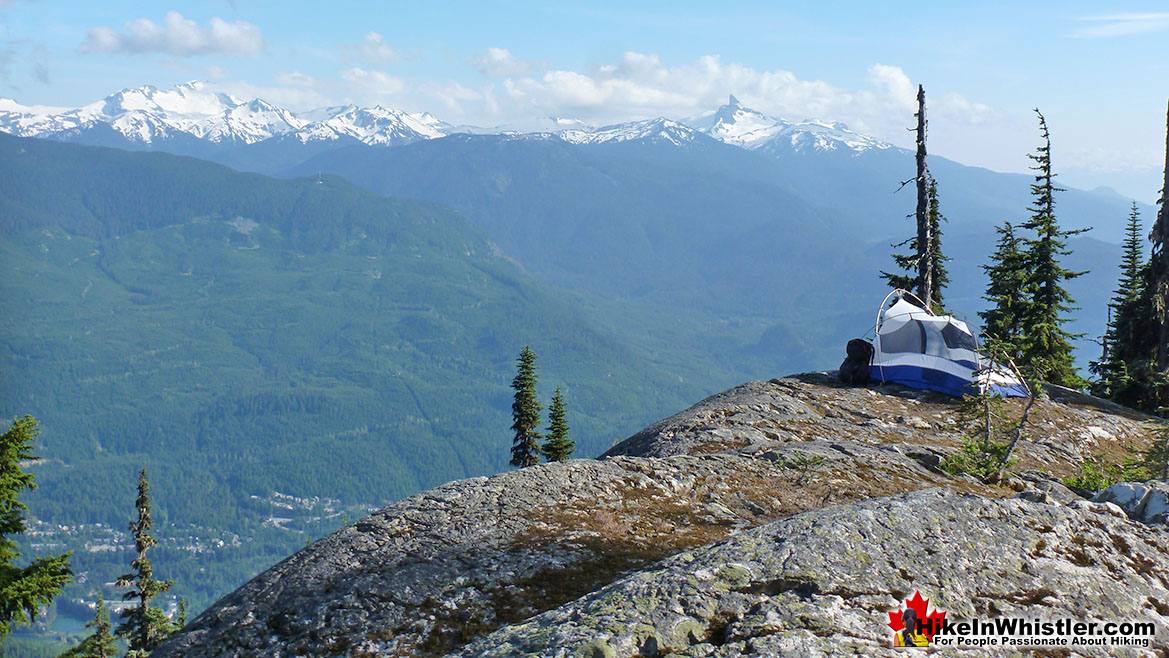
{"x": 913, "y": 347}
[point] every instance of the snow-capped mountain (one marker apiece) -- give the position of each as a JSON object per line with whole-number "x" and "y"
{"x": 147, "y": 115}
{"x": 734, "y": 124}
{"x": 376, "y": 126}
{"x": 658, "y": 130}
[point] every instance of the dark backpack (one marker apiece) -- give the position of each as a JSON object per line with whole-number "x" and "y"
{"x": 854, "y": 371}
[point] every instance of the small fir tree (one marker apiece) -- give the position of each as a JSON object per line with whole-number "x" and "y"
{"x": 1155, "y": 460}
{"x": 1043, "y": 340}
{"x": 1006, "y": 277}
{"x": 559, "y": 446}
{"x": 144, "y": 626}
{"x": 1121, "y": 344}
{"x": 181, "y": 619}
{"x": 23, "y": 590}
{"x": 101, "y": 643}
{"x": 990, "y": 438}
{"x": 525, "y": 412}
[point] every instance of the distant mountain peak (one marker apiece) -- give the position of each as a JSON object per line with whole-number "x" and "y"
{"x": 659, "y": 129}
{"x": 742, "y": 126}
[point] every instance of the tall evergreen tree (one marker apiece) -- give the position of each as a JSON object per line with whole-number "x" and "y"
{"x": 1044, "y": 343}
{"x": 1121, "y": 345}
{"x": 525, "y": 412}
{"x": 559, "y": 446}
{"x": 1007, "y": 277}
{"x": 101, "y": 643}
{"x": 925, "y": 286}
{"x": 23, "y": 590}
{"x": 1146, "y": 358}
{"x": 144, "y": 626}
{"x": 1158, "y": 277}
{"x": 938, "y": 274}
{"x": 923, "y": 265}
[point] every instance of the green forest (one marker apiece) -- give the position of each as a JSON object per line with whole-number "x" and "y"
{"x": 243, "y": 337}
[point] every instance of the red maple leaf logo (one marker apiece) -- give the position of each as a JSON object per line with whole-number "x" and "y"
{"x": 931, "y": 622}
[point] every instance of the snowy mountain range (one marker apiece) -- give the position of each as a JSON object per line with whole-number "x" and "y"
{"x": 148, "y": 117}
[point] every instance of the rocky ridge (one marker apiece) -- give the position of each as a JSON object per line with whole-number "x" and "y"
{"x": 636, "y": 553}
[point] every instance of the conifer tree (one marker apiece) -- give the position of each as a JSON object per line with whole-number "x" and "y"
{"x": 925, "y": 286}
{"x": 23, "y": 590}
{"x": 1007, "y": 277}
{"x": 926, "y": 261}
{"x": 1158, "y": 276}
{"x": 525, "y": 412}
{"x": 938, "y": 274}
{"x": 559, "y": 446}
{"x": 1145, "y": 324}
{"x": 1043, "y": 340}
{"x": 181, "y": 619}
{"x": 1121, "y": 358}
{"x": 144, "y": 626}
{"x": 101, "y": 643}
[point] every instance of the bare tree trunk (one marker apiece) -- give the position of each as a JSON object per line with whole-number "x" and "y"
{"x": 925, "y": 284}
{"x": 1019, "y": 429}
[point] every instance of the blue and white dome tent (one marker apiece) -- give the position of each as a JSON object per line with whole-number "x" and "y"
{"x": 915, "y": 348}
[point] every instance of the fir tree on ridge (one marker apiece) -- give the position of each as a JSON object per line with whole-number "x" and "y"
{"x": 100, "y": 643}
{"x": 1120, "y": 360}
{"x": 939, "y": 276}
{"x": 1006, "y": 279}
{"x": 559, "y": 446}
{"x": 144, "y": 626}
{"x": 23, "y": 590}
{"x": 1157, "y": 281}
{"x": 525, "y": 412}
{"x": 925, "y": 266}
{"x": 1043, "y": 342}
{"x": 1142, "y": 340}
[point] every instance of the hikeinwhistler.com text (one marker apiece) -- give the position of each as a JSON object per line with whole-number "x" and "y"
{"x": 1022, "y": 632}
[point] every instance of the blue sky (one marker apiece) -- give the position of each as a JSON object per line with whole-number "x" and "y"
{"x": 1100, "y": 75}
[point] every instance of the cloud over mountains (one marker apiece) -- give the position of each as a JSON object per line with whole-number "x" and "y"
{"x": 178, "y": 36}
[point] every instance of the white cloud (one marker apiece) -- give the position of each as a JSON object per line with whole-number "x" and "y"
{"x": 374, "y": 50}
{"x": 177, "y": 36}
{"x": 642, "y": 86}
{"x": 1120, "y": 25}
{"x": 296, "y": 79}
{"x": 500, "y": 61}
{"x": 217, "y": 72}
{"x": 372, "y": 83}
{"x": 453, "y": 96}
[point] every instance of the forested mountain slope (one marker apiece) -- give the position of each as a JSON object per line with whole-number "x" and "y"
{"x": 241, "y": 336}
